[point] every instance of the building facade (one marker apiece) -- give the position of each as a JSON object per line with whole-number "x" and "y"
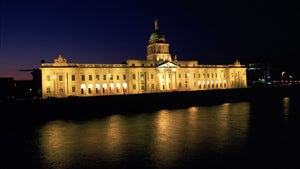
{"x": 160, "y": 72}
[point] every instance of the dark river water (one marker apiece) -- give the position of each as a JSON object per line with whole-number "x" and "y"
{"x": 256, "y": 134}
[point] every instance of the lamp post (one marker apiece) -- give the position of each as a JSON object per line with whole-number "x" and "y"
{"x": 282, "y": 73}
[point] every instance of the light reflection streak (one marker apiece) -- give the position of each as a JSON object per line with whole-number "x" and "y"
{"x": 286, "y": 106}
{"x": 55, "y": 144}
{"x": 165, "y": 146}
{"x": 113, "y": 137}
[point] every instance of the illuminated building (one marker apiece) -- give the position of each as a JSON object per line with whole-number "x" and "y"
{"x": 160, "y": 72}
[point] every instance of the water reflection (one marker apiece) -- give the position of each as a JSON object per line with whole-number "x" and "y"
{"x": 55, "y": 142}
{"x": 286, "y": 106}
{"x": 162, "y": 139}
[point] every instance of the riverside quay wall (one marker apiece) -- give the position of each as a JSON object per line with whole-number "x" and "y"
{"x": 87, "y": 107}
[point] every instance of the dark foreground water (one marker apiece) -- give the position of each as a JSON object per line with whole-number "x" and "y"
{"x": 256, "y": 134}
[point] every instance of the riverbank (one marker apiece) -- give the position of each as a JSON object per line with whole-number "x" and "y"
{"x": 87, "y": 107}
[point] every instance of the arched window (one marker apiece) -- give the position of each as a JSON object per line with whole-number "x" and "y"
{"x": 111, "y": 87}
{"x": 90, "y": 88}
{"x": 104, "y": 88}
{"x": 97, "y": 88}
{"x": 124, "y": 85}
{"x": 118, "y": 86}
{"x": 82, "y": 88}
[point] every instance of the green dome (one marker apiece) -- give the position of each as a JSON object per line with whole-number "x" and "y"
{"x": 156, "y": 35}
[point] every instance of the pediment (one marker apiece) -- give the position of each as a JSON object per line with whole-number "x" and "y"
{"x": 167, "y": 65}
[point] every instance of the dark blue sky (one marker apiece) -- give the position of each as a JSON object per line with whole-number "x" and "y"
{"x": 93, "y": 31}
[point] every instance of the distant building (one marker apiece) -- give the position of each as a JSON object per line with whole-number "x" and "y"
{"x": 7, "y": 88}
{"x": 25, "y": 89}
{"x": 258, "y": 74}
{"x": 160, "y": 72}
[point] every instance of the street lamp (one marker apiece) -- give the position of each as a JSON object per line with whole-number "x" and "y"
{"x": 282, "y": 73}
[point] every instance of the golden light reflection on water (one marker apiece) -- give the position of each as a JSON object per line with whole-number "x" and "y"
{"x": 54, "y": 143}
{"x": 64, "y": 143}
{"x": 113, "y": 137}
{"x": 161, "y": 138}
{"x": 165, "y": 148}
{"x": 286, "y": 106}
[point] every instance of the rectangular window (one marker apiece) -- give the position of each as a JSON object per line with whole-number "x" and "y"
{"x": 90, "y": 77}
{"x": 124, "y": 77}
{"x": 97, "y": 77}
{"x": 134, "y": 87}
{"x": 48, "y": 90}
{"x": 179, "y": 75}
{"x": 152, "y": 86}
{"x": 60, "y": 77}
{"x": 48, "y": 77}
{"x": 133, "y": 76}
{"x": 82, "y": 78}
{"x": 73, "y": 77}
{"x": 111, "y": 77}
{"x": 73, "y": 89}
{"x": 118, "y": 77}
{"x": 151, "y": 76}
{"x": 104, "y": 77}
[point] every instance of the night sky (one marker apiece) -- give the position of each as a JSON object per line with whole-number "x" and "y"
{"x": 94, "y": 31}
